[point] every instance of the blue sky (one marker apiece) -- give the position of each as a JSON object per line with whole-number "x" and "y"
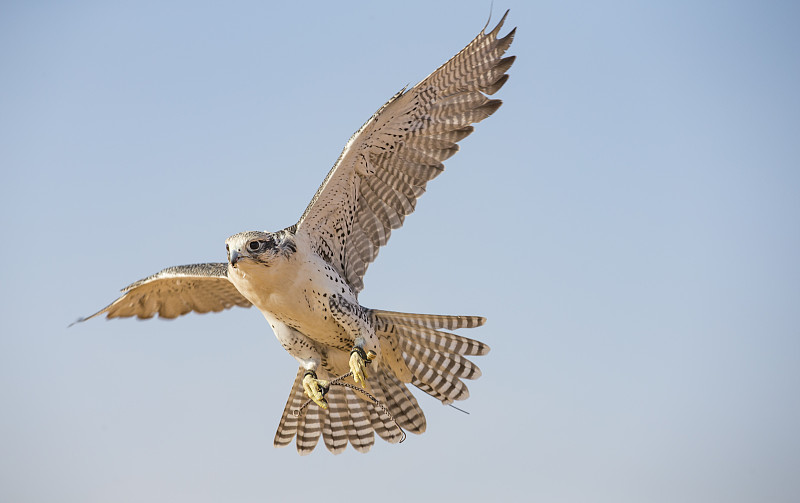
{"x": 628, "y": 222}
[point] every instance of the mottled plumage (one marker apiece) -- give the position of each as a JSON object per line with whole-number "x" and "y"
{"x": 175, "y": 291}
{"x": 387, "y": 163}
{"x": 305, "y": 279}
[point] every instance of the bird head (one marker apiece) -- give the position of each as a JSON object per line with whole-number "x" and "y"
{"x": 251, "y": 248}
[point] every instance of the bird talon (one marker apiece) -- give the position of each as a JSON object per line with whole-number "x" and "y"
{"x": 315, "y": 389}
{"x": 358, "y": 364}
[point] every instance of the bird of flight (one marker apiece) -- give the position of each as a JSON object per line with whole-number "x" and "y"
{"x": 305, "y": 279}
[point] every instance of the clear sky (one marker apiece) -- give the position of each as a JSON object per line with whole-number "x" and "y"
{"x": 628, "y": 222}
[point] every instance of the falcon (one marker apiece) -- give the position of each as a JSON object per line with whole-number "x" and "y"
{"x": 305, "y": 279}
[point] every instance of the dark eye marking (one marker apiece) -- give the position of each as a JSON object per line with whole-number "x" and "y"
{"x": 254, "y": 246}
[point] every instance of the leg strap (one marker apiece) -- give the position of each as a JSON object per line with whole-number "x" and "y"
{"x": 323, "y": 388}
{"x": 360, "y": 352}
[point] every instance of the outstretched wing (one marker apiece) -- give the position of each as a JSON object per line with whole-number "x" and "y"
{"x": 175, "y": 291}
{"x": 387, "y": 163}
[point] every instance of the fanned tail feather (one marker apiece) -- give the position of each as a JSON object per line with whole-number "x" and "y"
{"x": 385, "y": 428}
{"x": 350, "y": 417}
{"x": 402, "y": 404}
{"x": 429, "y": 391}
{"x": 361, "y": 434}
{"x": 337, "y": 426}
{"x": 414, "y": 350}
{"x": 442, "y": 341}
{"x": 287, "y": 428}
{"x": 434, "y": 321}
{"x": 309, "y": 429}
{"x": 435, "y": 359}
{"x": 445, "y": 385}
{"x": 444, "y": 363}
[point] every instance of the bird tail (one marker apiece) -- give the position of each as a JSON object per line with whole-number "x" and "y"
{"x": 414, "y": 350}
{"x": 349, "y": 418}
{"x": 418, "y": 352}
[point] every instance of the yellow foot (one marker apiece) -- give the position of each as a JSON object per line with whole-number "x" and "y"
{"x": 358, "y": 364}
{"x": 315, "y": 388}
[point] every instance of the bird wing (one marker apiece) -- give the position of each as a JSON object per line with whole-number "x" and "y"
{"x": 175, "y": 291}
{"x": 386, "y": 164}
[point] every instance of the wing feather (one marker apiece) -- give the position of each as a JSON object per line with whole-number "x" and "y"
{"x": 287, "y": 428}
{"x": 386, "y": 164}
{"x": 175, "y": 291}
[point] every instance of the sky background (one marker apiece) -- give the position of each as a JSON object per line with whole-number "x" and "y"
{"x": 628, "y": 222}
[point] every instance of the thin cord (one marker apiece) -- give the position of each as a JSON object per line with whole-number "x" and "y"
{"x": 339, "y": 381}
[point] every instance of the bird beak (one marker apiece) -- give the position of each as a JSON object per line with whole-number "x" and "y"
{"x": 234, "y": 257}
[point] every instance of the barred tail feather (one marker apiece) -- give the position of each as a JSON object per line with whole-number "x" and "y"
{"x": 434, "y": 321}
{"x": 445, "y": 385}
{"x": 450, "y": 364}
{"x": 402, "y": 404}
{"x": 414, "y": 350}
{"x": 337, "y": 422}
{"x": 384, "y": 427}
{"x": 287, "y": 428}
{"x": 429, "y": 391}
{"x": 435, "y": 359}
{"x": 442, "y": 341}
{"x": 361, "y": 434}
{"x": 309, "y": 429}
{"x": 350, "y": 417}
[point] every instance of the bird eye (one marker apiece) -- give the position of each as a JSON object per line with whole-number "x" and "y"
{"x": 254, "y": 245}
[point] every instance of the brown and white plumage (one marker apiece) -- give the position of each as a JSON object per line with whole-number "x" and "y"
{"x": 305, "y": 279}
{"x": 175, "y": 291}
{"x": 387, "y": 163}
{"x": 429, "y": 358}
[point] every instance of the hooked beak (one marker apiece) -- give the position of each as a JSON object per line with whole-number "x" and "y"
{"x": 234, "y": 257}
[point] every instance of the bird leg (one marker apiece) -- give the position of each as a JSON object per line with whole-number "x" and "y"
{"x": 359, "y": 359}
{"x": 359, "y": 324}
{"x": 316, "y": 388}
